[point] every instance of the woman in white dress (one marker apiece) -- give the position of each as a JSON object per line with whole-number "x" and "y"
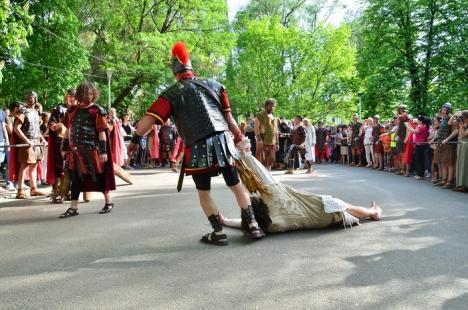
{"x": 309, "y": 143}
{"x": 283, "y": 208}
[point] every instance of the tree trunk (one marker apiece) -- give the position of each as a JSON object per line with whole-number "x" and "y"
{"x": 126, "y": 90}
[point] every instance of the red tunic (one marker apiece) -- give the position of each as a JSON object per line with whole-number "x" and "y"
{"x": 105, "y": 172}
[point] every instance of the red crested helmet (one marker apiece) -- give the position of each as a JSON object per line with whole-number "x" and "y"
{"x": 180, "y": 58}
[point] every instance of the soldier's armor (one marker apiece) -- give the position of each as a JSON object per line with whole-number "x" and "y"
{"x": 196, "y": 113}
{"x": 57, "y": 114}
{"x": 83, "y": 129}
{"x": 30, "y": 126}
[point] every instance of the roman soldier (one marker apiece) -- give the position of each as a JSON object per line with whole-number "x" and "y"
{"x": 355, "y": 143}
{"x": 26, "y": 131}
{"x": 55, "y": 161}
{"x": 200, "y": 109}
{"x": 321, "y": 148}
{"x": 167, "y": 138}
{"x": 86, "y": 148}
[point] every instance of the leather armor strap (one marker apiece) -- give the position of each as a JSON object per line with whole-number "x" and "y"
{"x": 102, "y": 147}
{"x": 209, "y": 89}
{"x": 228, "y": 116}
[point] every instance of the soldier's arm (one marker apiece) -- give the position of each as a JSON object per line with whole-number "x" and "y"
{"x": 158, "y": 113}
{"x": 232, "y": 124}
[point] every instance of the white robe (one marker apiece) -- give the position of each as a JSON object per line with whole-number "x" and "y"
{"x": 310, "y": 143}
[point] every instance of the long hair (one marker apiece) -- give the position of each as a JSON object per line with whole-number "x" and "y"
{"x": 82, "y": 90}
{"x": 261, "y": 213}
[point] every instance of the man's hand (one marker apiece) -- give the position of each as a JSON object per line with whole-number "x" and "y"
{"x": 260, "y": 145}
{"x": 131, "y": 149}
{"x": 276, "y": 147}
{"x": 103, "y": 158}
{"x": 244, "y": 145}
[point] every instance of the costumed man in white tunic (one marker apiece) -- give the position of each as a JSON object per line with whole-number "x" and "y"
{"x": 309, "y": 144}
{"x": 282, "y": 208}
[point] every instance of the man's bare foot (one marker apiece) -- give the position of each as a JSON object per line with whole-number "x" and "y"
{"x": 377, "y": 214}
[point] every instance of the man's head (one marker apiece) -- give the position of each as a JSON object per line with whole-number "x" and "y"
{"x": 31, "y": 98}
{"x": 70, "y": 97}
{"x": 15, "y": 107}
{"x": 180, "y": 59}
{"x": 355, "y": 117}
{"x": 297, "y": 120}
{"x": 320, "y": 124}
{"x": 86, "y": 93}
{"x": 401, "y": 109}
{"x": 270, "y": 105}
{"x": 376, "y": 118}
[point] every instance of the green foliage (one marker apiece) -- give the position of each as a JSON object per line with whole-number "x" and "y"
{"x": 398, "y": 51}
{"x": 14, "y": 29}
{"x": 308, "y": 72}
{"x": 55, "y": 43}
{"x": 413, "y": 52}
{"x": 135, "y": 40}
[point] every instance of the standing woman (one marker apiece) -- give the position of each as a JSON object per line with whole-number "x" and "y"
{"x": 420, "y": 134}
{"x": 86, "y": 145}
{"x": 447, "y": 150}
{"x": 462, "y": 151}
{"x": 337, "y": 149}
{"x": 344, "y": 145}
{"x": 309, "y": 144}
{"x": 127, "y": 133}
{"x": 368, "y": 128}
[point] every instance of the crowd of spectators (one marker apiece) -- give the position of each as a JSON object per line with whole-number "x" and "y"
{"x": 426, "y": 148}
{"x": 422, "y": 147}
{"x": 160, "y": 147}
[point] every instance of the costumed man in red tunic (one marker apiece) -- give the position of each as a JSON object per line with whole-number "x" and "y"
{"x": 86, "y": 147}
{"x": 200, "y": 109}
{"x": 55, "y": 160}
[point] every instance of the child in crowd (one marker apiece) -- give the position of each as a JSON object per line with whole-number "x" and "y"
{"x": 394, "y": 144}
{"x": 385, "y": 139}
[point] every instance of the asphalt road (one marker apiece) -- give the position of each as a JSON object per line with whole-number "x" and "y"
{"x": 146, "y": 254}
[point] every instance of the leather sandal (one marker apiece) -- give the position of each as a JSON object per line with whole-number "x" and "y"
{"x": 107, "y": 208}
{"x": 215, "y": 239}
{"x": 448, "y": 185}
{"x": 35, "y": 193}
{"x": 69, "y": 213}
{"x": 21, "y": 195}
{"x": 255, "y": 233}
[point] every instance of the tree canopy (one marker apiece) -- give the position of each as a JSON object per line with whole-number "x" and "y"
{"x": 409, "y": 51}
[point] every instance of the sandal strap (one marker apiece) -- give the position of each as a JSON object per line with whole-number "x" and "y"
{"x": 69, "y": 212}
{"x": 213, "y": 238}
